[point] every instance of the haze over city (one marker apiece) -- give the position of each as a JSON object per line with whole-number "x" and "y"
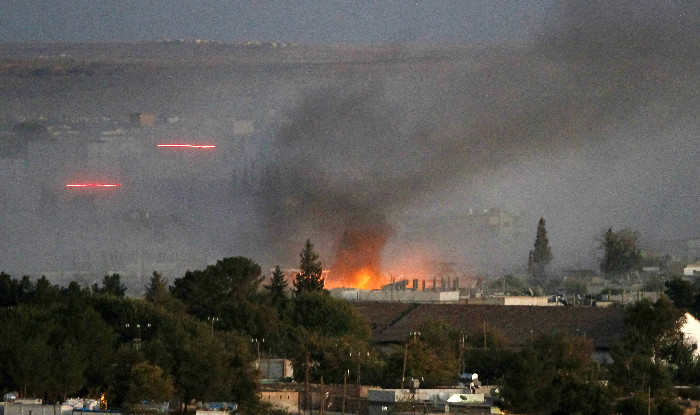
{"x": 380, "y": 131}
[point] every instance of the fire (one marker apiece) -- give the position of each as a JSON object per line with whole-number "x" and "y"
{"x": 357, "y": 261}
{"x": 363, "y": 279}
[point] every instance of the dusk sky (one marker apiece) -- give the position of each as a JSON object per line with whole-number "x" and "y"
{"x": 304, "y": 21}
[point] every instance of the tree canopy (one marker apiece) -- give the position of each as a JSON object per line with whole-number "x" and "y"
{"x": 310, "y": 276}
{"x": 111, "y": 285}
{"x": 555, "y": 374}
{"x": 621, "y": 254}
{"x": 227, "y": 290}
{"x": 278, "y": 288}
{"x": 86, "y": 341}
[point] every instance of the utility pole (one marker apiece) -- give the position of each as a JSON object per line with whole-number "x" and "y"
{"x": 306, "y": 384}
{"x": 403, "y": 373}
{"x": 462, "y": 347}
{"x": 415, "y": 335}
{"x": 359, "y": 383}
{"x": 322, "y": 409}
{"x": 345, "y": 386}
{"x": 359, "y": 386}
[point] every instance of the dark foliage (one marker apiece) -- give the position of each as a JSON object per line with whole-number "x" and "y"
{"x": 310, "y": 277}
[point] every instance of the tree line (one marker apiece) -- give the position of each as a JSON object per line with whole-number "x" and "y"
{"x": 621, "y": 254}
{"x": 193, "y": 340}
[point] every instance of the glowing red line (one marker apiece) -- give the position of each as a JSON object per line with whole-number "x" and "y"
{"x": 187, "y": 145}
{"x": 93, "y": 185}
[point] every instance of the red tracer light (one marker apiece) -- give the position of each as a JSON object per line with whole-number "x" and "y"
{"x": 94, "y": 185}
{"x": 187, "y": 145}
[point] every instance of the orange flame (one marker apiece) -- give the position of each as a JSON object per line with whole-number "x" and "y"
{"x": 366, "y": 280}
{"x": 358, "y": 258}
{"x": 363, "y": 279}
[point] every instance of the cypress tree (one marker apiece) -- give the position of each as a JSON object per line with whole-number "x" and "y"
{"x": 277, "y": 287}
{"x": 309, "y": 277}
{"x": 541, "y": 256}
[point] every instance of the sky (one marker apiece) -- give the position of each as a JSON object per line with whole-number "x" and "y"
{"x": 302, "y": 21}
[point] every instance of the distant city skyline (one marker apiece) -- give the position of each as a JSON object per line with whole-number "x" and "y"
{"x": 302, "y": 21}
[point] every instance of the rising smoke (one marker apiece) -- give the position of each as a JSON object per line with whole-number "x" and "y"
{"x": 598, "y": 84}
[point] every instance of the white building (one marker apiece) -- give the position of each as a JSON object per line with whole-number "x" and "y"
{"x": 692, "y": 269}
{"x": 383, "y": 401}
{"x": 397, "y": 296}
{"x": 512, "y": 300}
{"x": 691, "y": 333}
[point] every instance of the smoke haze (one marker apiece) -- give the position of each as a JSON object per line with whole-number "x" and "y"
{"x": 384, "y": 157}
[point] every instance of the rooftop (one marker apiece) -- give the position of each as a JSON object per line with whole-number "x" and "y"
{"x": 392, "y": 322}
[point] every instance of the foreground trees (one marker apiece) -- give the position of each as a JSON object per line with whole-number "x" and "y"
{"x": 192, "y": 341}
{"x": 555, "y": 374}
{"x": 85, "y": 342}
{"x": 684, "y": 294}
{"x": 652, "y": 353}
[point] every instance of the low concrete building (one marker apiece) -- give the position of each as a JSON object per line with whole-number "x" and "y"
{"x": 275, "y": 370}
{"x": 512, "y": 300}
{"x": 385, "y": 401}
{"x": 142, "y": 119}
{"x": 627, "y": 297}
{"x": 37, "y": 409}
{"x": 397, "y": 296}
{"x": 692, "y": 269}
{"x": 411, "y": 296}
{"x": 691, "y": 333}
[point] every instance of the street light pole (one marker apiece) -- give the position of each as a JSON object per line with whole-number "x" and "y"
{"x": 136, "y": 340}
{"x": 415, "y": 335}
{"x": 212, "y": 319}
{"x": 345, "y": 385}
{"x": 257, "y": 345}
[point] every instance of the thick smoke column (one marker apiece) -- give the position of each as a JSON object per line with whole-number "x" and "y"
{"x": 358, "y": 260}
{"x": 612, "y": 32}
{"x": 356, "y": 151}
{"x": 348, "y": 157}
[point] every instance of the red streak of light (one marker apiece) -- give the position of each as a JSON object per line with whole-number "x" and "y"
{"x": 93, "y": 185}
{"x": 187, "y": 145}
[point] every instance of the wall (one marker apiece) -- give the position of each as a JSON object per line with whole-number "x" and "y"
{"x": 511, "y": 300}
{"x": 283, "y": 400}
{"x": 410, "y": 296}
{"x": 37, "y": 409}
